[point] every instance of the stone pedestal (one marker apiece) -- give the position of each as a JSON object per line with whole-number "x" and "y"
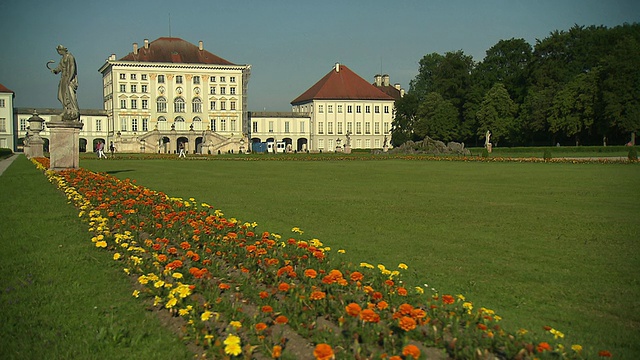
{"x": 489, "y": 148}
{"x": 347, "y": 149}
{"x": 385, "y": 148}
{"x": 64, "y": 144}
{"x": 36, "y": 146}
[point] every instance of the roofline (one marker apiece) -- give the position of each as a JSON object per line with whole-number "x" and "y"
{"x": 341, "y": 99}
{"x": 138, "y": 64}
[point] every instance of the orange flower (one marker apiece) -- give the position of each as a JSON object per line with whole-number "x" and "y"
{"x": 281, "y": 319}
{"x": 382, "y": 305}
{"x": 224, "y": 286}
{"x": 411, "y": 350}
{"x": 267, "y": 309}
{"x": 162, "y": 257}
{"x": 353, "y": 309}
{"x": 482, "y": 327}
{"x": 356, "y": 276}
{"x": 543, "y": 346}
{"x": 310, "y": 273}
{"x": 276, "y": 352}
{"x": 261, "y": 326}
{"x": 402, "y": 291}
{"x": 317, "y": 295}
{"x": 604, "y": 353}
{"x": 376, "y": 295}
{"x": 185, "y": 245}
{"x": 395, "y": 357}
{"x": 369, "y": 315}
{"x": 407, "y": 324}
{"x": 264, "y": 294}
{"x": 448, "y": 299}
{"x": 284, "y": 287}
{"x": 405, "y": 309}
{"x": 323, "y": 352}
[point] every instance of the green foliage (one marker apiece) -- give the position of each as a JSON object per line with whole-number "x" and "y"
{"x": 485, "y": 153}
{"x": 633, "y": 154}
{"x": 4, "y": 152}
{"x": 497, "y": 114}
{"x": 547, "y": 154}
{"x": 437, "y": 118}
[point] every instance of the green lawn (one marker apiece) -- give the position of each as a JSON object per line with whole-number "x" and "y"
{"x": 541, "y": 244}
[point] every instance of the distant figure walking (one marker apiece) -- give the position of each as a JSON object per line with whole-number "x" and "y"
{"x": 112, "y": 148}
{"x": 100, "y": 150}
{"x": 182, "y": 154}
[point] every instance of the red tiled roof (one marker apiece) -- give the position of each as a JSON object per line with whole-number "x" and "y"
{"x": 390, "y": 90}
{"x": 4, "y": 89}
{"x": 343, "y": 84}
{"x": 174, "y": 50}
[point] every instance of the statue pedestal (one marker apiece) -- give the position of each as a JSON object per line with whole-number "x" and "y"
{"x": 347, "y": 149}
{"x": 489, "y": 148}
{"x": 36, "y": 146}
{"x": 64, "y": 144}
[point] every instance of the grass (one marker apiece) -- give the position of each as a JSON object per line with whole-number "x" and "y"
{"x": 60, "y": 298}
{"x": 541, "y": 244}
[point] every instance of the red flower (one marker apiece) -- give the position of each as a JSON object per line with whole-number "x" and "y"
{"x": 448, "y": 299}
{"x": 604, "y": 353}
{"x": 543, "y": 346}
{"x": 411, "y": 350}
{"x": 281, "y": 320}
{"x": 267, "y": 309}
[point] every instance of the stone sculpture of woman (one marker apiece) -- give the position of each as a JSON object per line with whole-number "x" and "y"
{"x": 68, "y": 84}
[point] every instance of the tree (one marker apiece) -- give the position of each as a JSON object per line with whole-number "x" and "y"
{"x": 497, "y": 114}
{"x": 506, "y": 62}
{"x": 404, "y": 119}
{"x": 437, "y": 118}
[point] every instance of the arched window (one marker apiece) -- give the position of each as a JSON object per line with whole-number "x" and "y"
{"x": 161, "y": 104}
{"x": 197, "y": 123}
{"x": 178, "y": 105}
{"x": 179, "y": 122}
{"x": 162, "y": 123}
{"x": 196, "y": 105}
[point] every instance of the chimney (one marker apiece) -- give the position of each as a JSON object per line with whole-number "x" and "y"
{"x": 146, "y": 43}
{"x": 112, "y": 57}
{"x": 397, "y": 86}
{"x": 401, "y": 92}
{"x": 385, "y": 80}
{"x": 200, "y": 45}
{"x": 135, "y": 48}
{"x": 378, "y": 80}
{"x": 337, "y": 67}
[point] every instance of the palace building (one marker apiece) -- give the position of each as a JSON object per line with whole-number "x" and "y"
{"x": 7, "y": 139}
{"x": 170, "y": 92}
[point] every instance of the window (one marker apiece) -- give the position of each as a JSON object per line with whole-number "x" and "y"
{"x": 212, "y": 90}
{"x": 179, "y": 79}
{"x": 23, "y": 124}
{"x": 133, "y": 76}
{"x": 339, "y": 109}
{"x": 223, "y": 90}
{"x": 145, "y": 124}
{"x": 367, "y": 143}
{"x": 232, "y": 79}
{"x": 349, "y": 109}
{"x": 196, "y": 79}
{"x": 254, "y": 127}
{"x": 197, "y": 123}
{"x": 377, "y": 142}
{"x": 161, "y": 79}
{"x": 330, "y": 109}
{"x": 358, "y": 109}
{"x": 376, "y": 128}
{"x": 358, "y": 128}
{"x": 302, "y": 126}
{"x": 223, "y": 125}
{"x": 232, "y": 90}
{"x": 330, "y": 143}
{"x": 222, "y": 79}
{"x": 143, "y": 77}
{"x": 134, "y": 103}
{"x": 212, "y": 104}
{"x": 123, "y": 88}
{"x": 367, "y": 109}
{"x": 320, "y": 143}
{"x": 359, "y": 143}
{"x": 178, "y": 105}
{"x": 3, "y": 125}
{"x": 339, "y": 127}
{"x": 213, "y": 124}
{"x": 233, "y": 105}
{"x": 270, "y": 126}
{"x": 367, "y": 128}
{"x": 286, "y": 127}
{"x": 2, "y": 103}
{"x": 212, "y": 79}
{"x": 143, "y": 88}
{"x": 320, "y": 109}
{"x": 161, "y": 104}
{"x": 145, "y": 104}
{"x": 223, "y": 105}
{"x": 330, "y": 127}
{"x": 386, "y": 128}
{"x": 134, "y": 88}
{"x": 386, "y": 109}
{"x": 320, "y": 128}
{"x": 123, "y": 104}
{"x": 98, "y": 124}
{"x": 123, "y": 76}
{"x": 350, "y": 127}
{"x": 233, "y": 125}
{"x": 134, "y": 124}
{"x": 123, "y": 124}
{"x": 376, "y": 109}
{"x": 179, "y": 123}
{"x": 196, "y": 105}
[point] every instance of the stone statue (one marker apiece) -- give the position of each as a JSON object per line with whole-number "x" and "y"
{"x": 487, "y": 139}
{"x": 348, "y": 136}
{"x": 68, "y": 84}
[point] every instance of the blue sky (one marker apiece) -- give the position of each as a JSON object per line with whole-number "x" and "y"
{"x": 289, "y": 44}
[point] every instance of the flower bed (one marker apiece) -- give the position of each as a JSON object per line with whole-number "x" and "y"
{"x": 242, "y": 293}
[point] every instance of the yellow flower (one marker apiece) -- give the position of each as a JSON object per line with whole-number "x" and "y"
{"x": 461, "y": 297}
{"x": 102, "y": 244}
{"x": 341, "y": 251}
{"x": 419, "y": 290}
{"x": 171, "y": 303}
{"x": 116, "y": 256}
{"x": 556, "y": 333}
{"x": 577, "y": 348}
{"x": 157, "y": 300}
{"x": 403, "y": 266}
{"x": 206, "y": 315}
{"x": 136, "y": 293}
{"x": 381, "y": 267}
{"x": 232, "y": 345}
{"x": 236, "y": 324}
{"x": 183, "y": 312}
{"x": 297, "y": 230}
{"x": 366, "y": 265}
{"x": 176, "y": 275}
{"x": 467, "y": 305}
{"x": 158, "y": 284}
{"x": 522, "y": 331}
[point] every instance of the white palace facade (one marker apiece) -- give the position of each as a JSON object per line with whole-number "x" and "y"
{"x": 169, "y": 92}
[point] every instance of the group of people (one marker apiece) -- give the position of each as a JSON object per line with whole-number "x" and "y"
{"x": 100, "y": 149}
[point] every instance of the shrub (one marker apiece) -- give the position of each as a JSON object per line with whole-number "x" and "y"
{"x": 485, "y": 153}
{"x": 633, "y": 154}
{"x": 4, "y": 152}
{"x": 547, "y": 155}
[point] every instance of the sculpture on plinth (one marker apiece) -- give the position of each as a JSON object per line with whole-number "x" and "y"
{"x": 68, "y": 85}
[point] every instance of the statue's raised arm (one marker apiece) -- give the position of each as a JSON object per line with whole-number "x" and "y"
{"x": 68, "y": 84}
